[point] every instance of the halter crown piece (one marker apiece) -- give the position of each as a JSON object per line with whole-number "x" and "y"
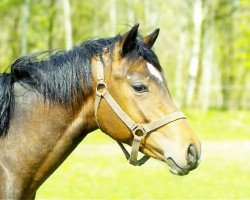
{"x": 138, "y": 130}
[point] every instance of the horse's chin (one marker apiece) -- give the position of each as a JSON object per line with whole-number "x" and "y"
{"x": 175, "y": 169}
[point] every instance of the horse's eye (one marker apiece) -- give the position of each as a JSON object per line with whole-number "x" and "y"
{"x": 140, "y": 88}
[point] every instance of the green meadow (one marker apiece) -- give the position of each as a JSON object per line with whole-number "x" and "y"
{"x": 97, "y": 168}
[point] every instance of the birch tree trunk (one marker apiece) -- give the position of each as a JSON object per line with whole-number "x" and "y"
{"x": 96, "y": 21}
{"x": 194, "y": 63}
{"x": 179, "y": 67}
{"x": 52, "y": 14}
{"x": 25, "y": 26}
{"x": 207, "y": 64}
{"x": 227, "y": 37}
{"x": 67, "y": 24}
{"x": 149, "y": 14}
{"x": 131, "y": 15}
{"x": 112, "y": 16}
{"x": 15, "y": 47}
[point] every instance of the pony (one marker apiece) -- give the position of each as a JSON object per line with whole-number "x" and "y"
{"x": 51, "y": 100}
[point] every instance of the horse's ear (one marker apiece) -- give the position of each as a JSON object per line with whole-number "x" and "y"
{"x": 151, "y": 38}
{"x": 129, "y": 40}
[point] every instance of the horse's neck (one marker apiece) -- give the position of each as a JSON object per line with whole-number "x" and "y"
{"x": 41, "y": 137}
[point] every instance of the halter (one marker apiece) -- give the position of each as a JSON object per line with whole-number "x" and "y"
{"x": 139, "y": 131}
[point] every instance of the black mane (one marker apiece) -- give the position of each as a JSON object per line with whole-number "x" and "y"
{"x": 60, "y": 76}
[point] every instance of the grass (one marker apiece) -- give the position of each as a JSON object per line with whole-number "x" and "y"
{"x": 98, "y": 170}
{"x": 88, "y": 175}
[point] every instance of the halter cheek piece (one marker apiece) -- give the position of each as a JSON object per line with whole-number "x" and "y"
{"x": 138, "y": 130}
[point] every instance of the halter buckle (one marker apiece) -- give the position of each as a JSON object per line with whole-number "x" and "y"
{"x": 138, "y": 132}
{"x": 101, "y": 88}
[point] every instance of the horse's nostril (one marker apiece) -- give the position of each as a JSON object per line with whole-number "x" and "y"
{"x": 192, "y": 154}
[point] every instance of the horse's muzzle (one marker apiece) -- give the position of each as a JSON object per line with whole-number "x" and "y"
{"x": 192, "y": 162}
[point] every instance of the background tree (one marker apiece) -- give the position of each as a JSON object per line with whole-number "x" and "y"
{"x": 67, "y": 22}
{"x": 203, "y": 45}
{"x": 194, "y": 61}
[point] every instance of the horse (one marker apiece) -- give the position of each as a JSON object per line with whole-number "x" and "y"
{"x": 50, "y": 101}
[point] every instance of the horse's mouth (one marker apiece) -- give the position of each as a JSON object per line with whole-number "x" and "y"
{"x": 176, "y": 169}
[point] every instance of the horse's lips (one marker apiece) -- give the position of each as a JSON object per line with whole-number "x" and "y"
{"x": 174, "y": 168}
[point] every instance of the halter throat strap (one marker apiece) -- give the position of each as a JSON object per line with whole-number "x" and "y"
{"x": 139, "y": 131}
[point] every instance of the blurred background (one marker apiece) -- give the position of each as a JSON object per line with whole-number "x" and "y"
{"x": 204, "y": 48}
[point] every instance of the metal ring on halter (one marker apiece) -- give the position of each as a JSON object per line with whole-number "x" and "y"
{"x": 139, "y": 131}
{"x": 101, "y": 88}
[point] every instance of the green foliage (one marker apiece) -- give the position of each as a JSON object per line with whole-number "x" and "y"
{"x": 243, "y": 33}
{"x": 220, "y": 124}
{"x": 229, "y": 19}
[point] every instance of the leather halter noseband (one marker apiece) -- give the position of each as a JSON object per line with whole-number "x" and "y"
{"x": 138, "y": 130}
